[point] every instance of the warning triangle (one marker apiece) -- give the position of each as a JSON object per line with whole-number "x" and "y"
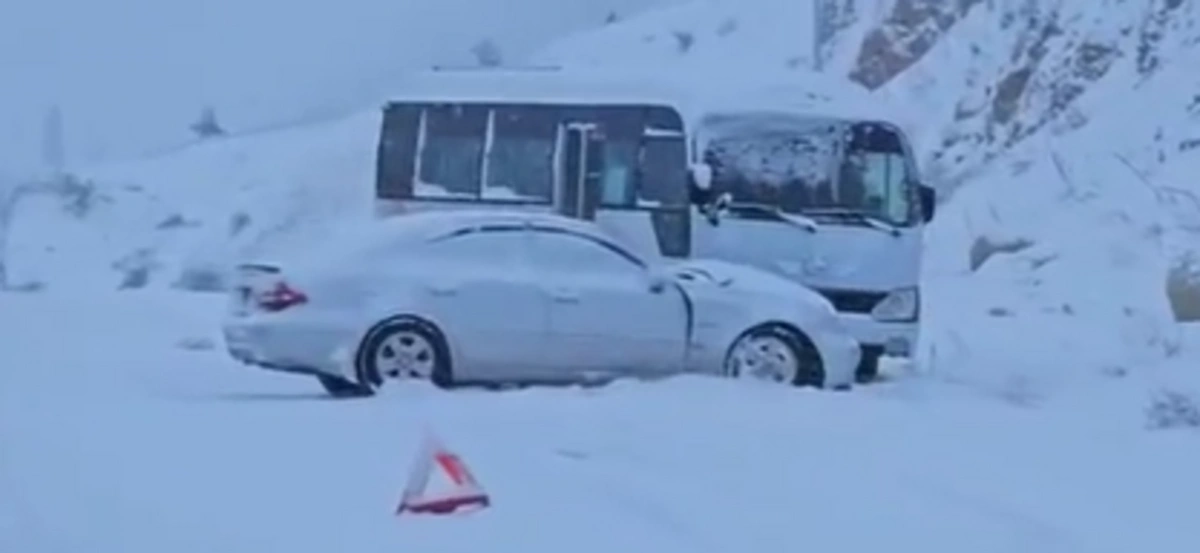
{"x": 438, "y": 466}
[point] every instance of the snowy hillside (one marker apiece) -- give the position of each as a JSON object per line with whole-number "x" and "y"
{"x": 1096, "y": 233}
{"x": 706, "y": 35}
{"x": 1004, "y": 71}
{"x": 977, "y": 77}
{"x": 131, "y": 75}
{"x": 184, "y": 218}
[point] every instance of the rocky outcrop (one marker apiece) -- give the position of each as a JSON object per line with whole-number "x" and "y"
{"x": 997, "y": 73}
{"x": 909, "y": 31}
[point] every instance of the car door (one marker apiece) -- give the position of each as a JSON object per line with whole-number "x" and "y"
{"x": 479, "y": 286}
{"x": 605, "y": 317}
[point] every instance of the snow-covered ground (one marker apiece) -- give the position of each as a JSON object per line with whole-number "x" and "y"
{"x": 1048, "y": 336}
{"x": 126, "y": 430}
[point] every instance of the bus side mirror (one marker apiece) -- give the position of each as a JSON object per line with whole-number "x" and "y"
{"x": 700, "y": 176}
{"x": 928, "y": 201}
{"x": 701, "y": 193}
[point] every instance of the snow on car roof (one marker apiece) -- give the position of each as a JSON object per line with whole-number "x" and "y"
{"x": 420, "y": 226}
{"x": 693, "y": 95}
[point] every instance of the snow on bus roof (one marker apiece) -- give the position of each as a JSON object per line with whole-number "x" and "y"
{"x": 694, "y": 95}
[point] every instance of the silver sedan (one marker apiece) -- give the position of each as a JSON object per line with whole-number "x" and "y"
{"x": 490, "y": 297}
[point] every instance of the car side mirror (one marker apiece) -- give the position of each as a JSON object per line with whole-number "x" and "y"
{"x": 928, "y": 198}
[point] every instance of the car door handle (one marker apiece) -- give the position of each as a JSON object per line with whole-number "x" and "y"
{"x": 443, "y": 289}
{"x": 562, "y": 295}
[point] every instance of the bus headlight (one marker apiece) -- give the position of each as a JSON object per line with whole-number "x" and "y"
{"x": 901, "y": 305}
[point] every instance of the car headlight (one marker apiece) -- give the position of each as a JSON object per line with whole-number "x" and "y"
{"x": 899, "y": 306}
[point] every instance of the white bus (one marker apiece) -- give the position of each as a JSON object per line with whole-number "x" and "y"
{"x": 797, "y": 178}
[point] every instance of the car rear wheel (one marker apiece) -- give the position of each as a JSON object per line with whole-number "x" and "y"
{"x": 775, "y": 353}
{"x": 403, "y": 348}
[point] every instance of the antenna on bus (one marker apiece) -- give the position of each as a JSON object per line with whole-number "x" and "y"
{"x": 444, "y": 68}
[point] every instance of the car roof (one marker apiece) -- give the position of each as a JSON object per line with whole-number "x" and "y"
{"x": 425, "y": 225}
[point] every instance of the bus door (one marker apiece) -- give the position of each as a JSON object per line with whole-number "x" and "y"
{"x": 582, "y": 167}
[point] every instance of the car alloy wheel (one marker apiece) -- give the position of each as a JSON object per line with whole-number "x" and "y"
{"x": 767, "y": 358}
{"x": 405, "y": 354}
{"x": 774, "y": 353}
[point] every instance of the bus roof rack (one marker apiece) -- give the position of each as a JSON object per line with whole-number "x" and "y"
{"x": 497, "y": 68}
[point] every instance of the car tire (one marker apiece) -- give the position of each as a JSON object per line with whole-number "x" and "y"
{"x": 342, "y": 388}
{"x": 367, "y": 368}
{"x": 809, "y": 370}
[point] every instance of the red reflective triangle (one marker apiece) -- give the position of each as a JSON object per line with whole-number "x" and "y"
{"x": 465, "y": 491}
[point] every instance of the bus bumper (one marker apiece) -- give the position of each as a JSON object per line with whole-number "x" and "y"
{"x": 880, "y": 339}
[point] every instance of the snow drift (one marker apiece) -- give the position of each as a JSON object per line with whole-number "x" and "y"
{"x": 1051, "y": 268}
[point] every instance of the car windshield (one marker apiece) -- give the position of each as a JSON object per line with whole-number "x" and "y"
{"x": 810, "y": 166}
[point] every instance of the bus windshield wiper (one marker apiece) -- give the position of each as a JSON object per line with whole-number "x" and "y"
{"x": 767, "y": 211}
{"x": 868, "y": 219}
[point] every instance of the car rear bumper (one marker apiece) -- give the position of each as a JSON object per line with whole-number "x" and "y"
{"x": 292, "y": 347}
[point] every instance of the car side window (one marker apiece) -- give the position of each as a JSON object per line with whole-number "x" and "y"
{"x": 486, "y": 246}
{"x": 567, "y": 251}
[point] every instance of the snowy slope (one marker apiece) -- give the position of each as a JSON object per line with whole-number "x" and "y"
{"x": 1106, "y": 220}
{"x": 126, "y": 441}
{"x": 198, "y": 210}
{"x": 131, "y": 75}
{"x": 712, "y": 36}
{"x": 1007, "y": 71}
{"x": 1057, "y": 256}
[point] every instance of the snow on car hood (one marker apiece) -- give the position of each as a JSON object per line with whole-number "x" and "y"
{"x": 746, "y": 278}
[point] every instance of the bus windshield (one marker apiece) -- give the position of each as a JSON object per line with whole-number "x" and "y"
{"x": 811, "y": 166}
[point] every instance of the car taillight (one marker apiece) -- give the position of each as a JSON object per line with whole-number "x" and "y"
{"x": 280, "y": 297}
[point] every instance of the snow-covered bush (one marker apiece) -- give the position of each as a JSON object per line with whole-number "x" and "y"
{"x": 487, "y": 53}
{"x": 136, "y": 269}
{"x": 1170, "y": 409}
{"x": 199, "y": 278}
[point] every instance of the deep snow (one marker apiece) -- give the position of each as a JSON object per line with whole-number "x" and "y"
{"x": 124, "y": 430}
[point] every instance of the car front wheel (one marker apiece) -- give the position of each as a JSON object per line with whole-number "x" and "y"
{"x": 775, "y": 353}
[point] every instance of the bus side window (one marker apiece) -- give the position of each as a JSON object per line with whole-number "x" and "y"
{"x": 395, "y": 159}
{"x": 521, "y": 160}
{"x": 452, "y": 156}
